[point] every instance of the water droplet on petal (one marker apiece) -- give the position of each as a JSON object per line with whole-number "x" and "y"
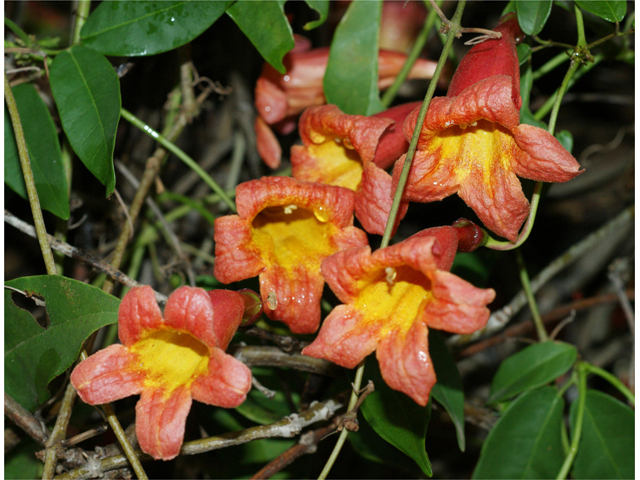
{"x": 321, "y": 214}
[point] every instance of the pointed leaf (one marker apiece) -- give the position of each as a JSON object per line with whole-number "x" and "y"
{"x": 126, "y": 28}
{"x": 532, "y": 15}
{"x": 320, "y": 6}
{"x": 397, "y": 418}
{"x": 34, "y": 355}
{"x": 448, "y": 389}
{"x": 609, "y": 10}
{"x": 351, "y": 79}
{"x": 607, "y": 448}
{"x": 265, "y": 24}
{"x": 530, "y": 368}
{"x": 87, "y": 93}
{"x": 526, "y": 441}
{"x": 44, "y": 153}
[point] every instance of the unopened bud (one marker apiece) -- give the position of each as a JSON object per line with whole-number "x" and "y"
{"x": 252, "y": 306}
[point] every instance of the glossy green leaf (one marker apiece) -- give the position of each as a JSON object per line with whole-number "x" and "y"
{"x": 397, "y": 418}
{"x": 533, "y": 14}
{"x": 607, "y": 448}
{"x": 44, "y": 153}
{"x": 34, "y": 355}
{"x": 526, "y": 441}
{"x": 524, "y": 52}
{"x": 87, "y": 93}
{"x": 266, "y": 26}
{"x": 322, "y": 8}
{"x": 530, "y": 368}
{"x": 610, "y": 10}
{"x": 351, "y": 79}
{"x": 448, "y": 389}
{"x": 126, "y": 28}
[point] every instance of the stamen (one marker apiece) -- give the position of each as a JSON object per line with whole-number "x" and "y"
{"x": 288, "y": 210}
{"x": 391, "y": 275}
{"x": 272, "y": 301}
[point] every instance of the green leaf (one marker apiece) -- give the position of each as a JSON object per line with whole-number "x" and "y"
{"x": 44, "y": 153}
{"x": 532, "y": 15}
{"x": 526, "y": 441}
{"x": 320, "y": 6}
{"x": 530, "y": 368}
{"x": 524, "y": 52}
{"x": 448, "y": 389}
{"x": 34, "y": 355}
{"x": 351, "y": 79}
{"x": 566, "y": 139}
{"x": 21, "y": 462}
{"x": 126, "y": 28}
{"x": 397, "y": 418}
{"x": 266, "y": 26}
{"x": 607, "y": 443}
{"x": 609, "y": 10}
{"x": 87, "y": 93}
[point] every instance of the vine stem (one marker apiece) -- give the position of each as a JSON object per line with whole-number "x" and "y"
{"x": 613, "y": 380}
{"x": 32, "y": 193}
{"x": 533, "y": 306}
{"x": 453, "y": 32}
{"x": 180, "y": 154}
{"x": 577, "y": 432}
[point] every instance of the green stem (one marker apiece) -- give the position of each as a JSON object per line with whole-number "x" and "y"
{"x": 573, "y": 66}
{"x": 32, "y": 193}
{"x": 343, "y": 434}
{"x": 180, "y": 154}
{"x": 582, "y": 40}
{"x": 21, "y": 34}
{"x": 613, "y": 380}
{"x": 550, "y": 65}
{"x": 129, "y": 452}
{"x": 526, "y": 287}
{"x": 82, "y": 12}
{"x": 454, "y": 25}
{"x": 188, "y": 206}
{"x": 391, "y": 92}
{"x": 577, "y": 432}
{"x": 59, "y": 432}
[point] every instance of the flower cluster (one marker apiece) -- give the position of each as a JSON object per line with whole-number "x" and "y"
{"x": 296, "y": 234}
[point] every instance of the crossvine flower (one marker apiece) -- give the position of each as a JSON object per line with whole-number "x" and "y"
{"x": 283, "y": 231}
{"x": 472, "y": 142}
{"x": 391, "y": 297}
{"x": 352, "y": 151}
{"x": 168, "y": 362}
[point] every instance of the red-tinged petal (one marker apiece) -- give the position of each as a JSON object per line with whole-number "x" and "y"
{"x": 108, "y": 375}
{"x": 190, "y": 310}
{"x": 390, "y": 63}
{"x": 492, "y": 57}
{"x": 496, "y": 197}
{"x": 138, "y": 312}
{"x": 343, "y": 339}
{"x": 400, "y": 24}
{"x": 271, "y": 101}
{"x": 235, "y": 257}
{"x": 228, "y": 310}
{"x": 298, "y": 291}
{"x": 342, "y": 269}
{"x": 160, "y": 421}
{"x": 333, "y": 204}
{"x": 267, "y": 144}
{"x": 393, "y": 142}
{"x": 457, "y": 306}
{"x": 542, "y": 157}
{"x": 227, "y": 383}
{"x": 374, "y": 198}
{"x": 430, "y": 177}
{"x": 443, "y": 248}
{"x": 405, "y": 363}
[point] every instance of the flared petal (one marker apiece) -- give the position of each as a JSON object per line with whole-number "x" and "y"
{"x": 405, "y": 363}
{"x": 541, "y": 157}
{"x": 138, "y": 312}
{"x": 190, "y": 310}
{"x": 497, "y": 198}
{"x": 267, "y": 144}
{"x": 227, "y": 383}
{"x": 430, "y": 178}
{"x": 236, "y": 256}
{"x": 108, "y": 375}
{"x": 374, "y": 198}
{"x": 342, "y": 270}
{"x": 393, "y": 142}
{"x": 228, "y": 311}
{"x": 457, "y": 306}
{"x": 298, "y": 292}
{"x": 160, "y": 421}
{"x": 271, "y": 101}
{"x": 343, "y": 339}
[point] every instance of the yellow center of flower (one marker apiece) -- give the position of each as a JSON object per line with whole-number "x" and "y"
{"x": 478, "y": 148}
{"x": 170, "y": 358}
{"x": 293, "y": 237}
{"x": 338, "y": 163}
{"x": 393, "y": 297}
